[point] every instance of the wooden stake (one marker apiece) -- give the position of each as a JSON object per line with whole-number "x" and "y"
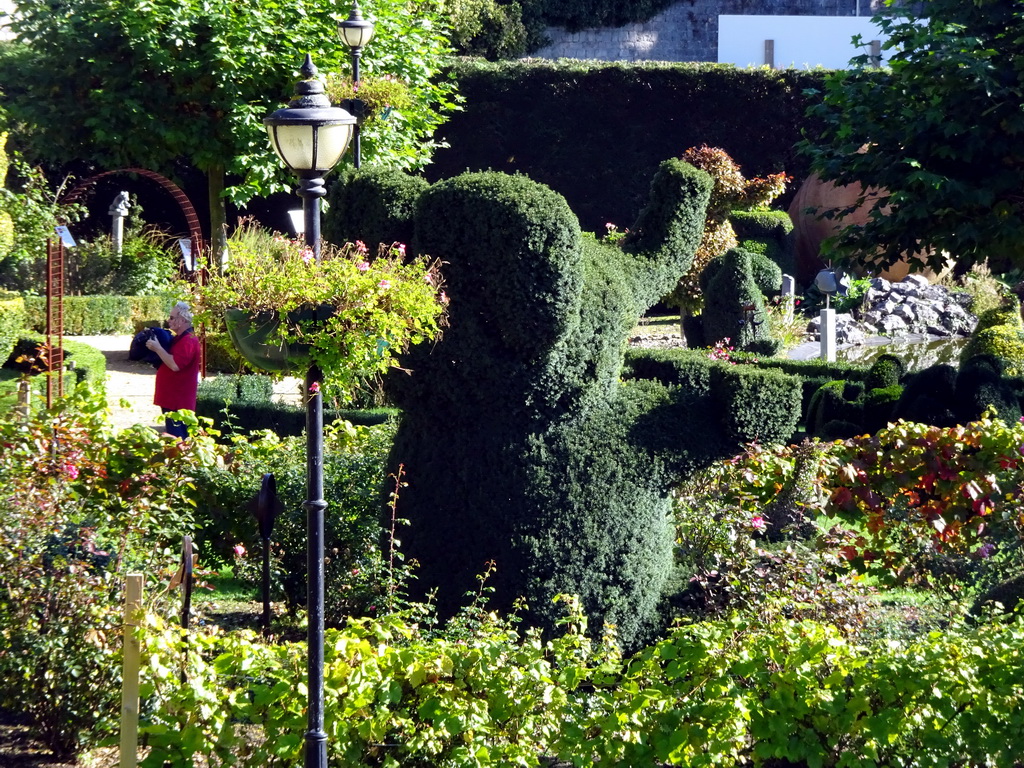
{"x": 130, "y": 677}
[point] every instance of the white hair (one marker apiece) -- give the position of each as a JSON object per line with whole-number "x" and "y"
{"x": 184, "y": 312}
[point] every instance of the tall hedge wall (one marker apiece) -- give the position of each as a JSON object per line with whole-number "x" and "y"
{"x": 595, "y": 132}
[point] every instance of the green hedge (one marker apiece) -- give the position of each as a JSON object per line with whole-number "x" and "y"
{"x": 769, "y": 233}
{"x": 637, "y": 115}
{"x": 755, "y": 403}
{"x": 244, "y": 404}
{"x": 89, "y": 363}
{"x": 96, "y": 315}
{"x": 518, "y": 443}
{"x": 12, "y": 322}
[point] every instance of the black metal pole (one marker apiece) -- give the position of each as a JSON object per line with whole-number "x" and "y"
{"x": 311, "y": 190}
{"x": 357, "y": 156}
{"x": 265, "y": 621}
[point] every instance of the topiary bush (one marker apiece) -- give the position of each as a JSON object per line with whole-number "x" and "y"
{"x": 519, "y": 443}
{"x": 12, "y": 322}
{"x": 372, "y": 205}
{"x": 734, "y": 307}
{"x": 767, "y": 232}
{"x": 929, "y": 397}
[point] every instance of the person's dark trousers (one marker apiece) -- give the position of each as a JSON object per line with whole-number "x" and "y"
{"x": 174, "y": 427}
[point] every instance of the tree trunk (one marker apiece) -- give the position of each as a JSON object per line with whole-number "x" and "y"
{"x": 218, "y": 215}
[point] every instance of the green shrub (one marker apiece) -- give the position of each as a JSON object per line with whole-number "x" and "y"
{"x": 929, "y": 397}
{"x": 97, "y": 315}
{"x": 80, "y": 507}
{"x": 886, "y": 371}
{"x": 523, "y": 390}
{"x": 734, "y": 306}
{"x": 12, "y": 322}
{"x": 1004, "y": 341}
{"x": 488, "y": 29}
{"x": 146, "y": 265}
{"x": 759, "y": 405}
{"x": 766, "y": 273}
{"x": 878, "y": 406}
{"x": 659, "y": 108}
{"x": 244, "y": 404}
{"x": 356, "y": 581}
{"x": 372, "y": 205}
{"x": 981, "y": 383}
{"x": 769, "y": 233}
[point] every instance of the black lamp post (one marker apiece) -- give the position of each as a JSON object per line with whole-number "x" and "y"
{"x": 311, "y": 136}
{"x": 356, "y": 32}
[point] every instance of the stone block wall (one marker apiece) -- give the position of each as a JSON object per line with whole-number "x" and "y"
{"x": 687, "y": 31}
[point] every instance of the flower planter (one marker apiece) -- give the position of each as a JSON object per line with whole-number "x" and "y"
{"x": 255, "y": 337}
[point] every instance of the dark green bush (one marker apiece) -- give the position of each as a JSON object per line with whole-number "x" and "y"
{"x": 981, "y": 383}
{"x": 766, "y": 273}
{"x": 491, "y": 30}
{"x": 12, "y": 322}
{"x": 733, "y": 303}
{"x": 374, "y": 205}
{"x": 519, "y": 444}
{"x": 354, "y": 480}
{"x": 878, "y": 407}
{"x": 95, "y": 315}
{"x": 886, "y": 371}
{"x": 244, "y": 404}
{"x": 759, "y": 404}
{"x": 929, "y": 397}
{"x": 769, "y": 233}
{"x": 659, "y": 110}
{"x": 829, "y": 403}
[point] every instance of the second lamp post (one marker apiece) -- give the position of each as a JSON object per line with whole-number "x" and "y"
{"x": 356, "y": 32}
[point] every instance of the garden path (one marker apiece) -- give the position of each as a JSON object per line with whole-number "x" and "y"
{"x": 130, "y": 384}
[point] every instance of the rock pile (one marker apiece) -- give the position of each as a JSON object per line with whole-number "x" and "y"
{"x": 912, "y": 308}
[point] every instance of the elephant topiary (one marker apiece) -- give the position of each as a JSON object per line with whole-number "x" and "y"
{"x": 519, "y": 443}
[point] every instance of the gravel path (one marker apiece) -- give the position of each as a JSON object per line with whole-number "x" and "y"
{"x": 129, "y": 384}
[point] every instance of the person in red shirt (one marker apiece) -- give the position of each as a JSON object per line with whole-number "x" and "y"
{"x": 178, "y": 378}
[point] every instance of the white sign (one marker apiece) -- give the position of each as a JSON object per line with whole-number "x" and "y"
{"x": 186, "y": 251}
{"x": 298, "y": 222}
{"x": 65, "y": 237}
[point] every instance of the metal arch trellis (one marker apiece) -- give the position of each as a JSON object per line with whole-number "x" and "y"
{"x": 191, "y": 219}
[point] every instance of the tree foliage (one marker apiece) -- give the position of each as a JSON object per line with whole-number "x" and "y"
{"x": 935, "y": 138}
{"x": 121, "y": 83}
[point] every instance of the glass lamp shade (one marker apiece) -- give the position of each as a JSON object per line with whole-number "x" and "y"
{"x": 310, "y": 142}
{"x": 355, "y": 31}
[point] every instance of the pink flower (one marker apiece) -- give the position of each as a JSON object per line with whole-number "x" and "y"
{"x": 307, "y": 255}
{"x": 444, "y": 298}
{"x": 385, "y": 284}
{"x": 399, "y": 249}
{"x": 362, "y": 266}
{"x": 239, "y": 550}
{"x": 757, "y": 523}
{"x": 314, "y": 387}
{"x": 70, "y": 470}
{"x": 361, "y": 247}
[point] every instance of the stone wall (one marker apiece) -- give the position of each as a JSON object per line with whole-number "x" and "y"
{"x": 688, "y": 31}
